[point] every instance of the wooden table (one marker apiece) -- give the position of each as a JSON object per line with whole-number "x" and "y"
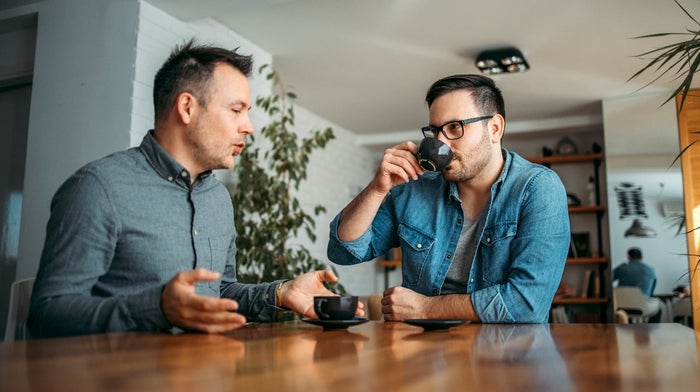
{"x": 375, "y": 356}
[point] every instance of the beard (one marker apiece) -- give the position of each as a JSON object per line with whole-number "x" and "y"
{"x": 209, "y": 151}
{"x": 465, "y": 168}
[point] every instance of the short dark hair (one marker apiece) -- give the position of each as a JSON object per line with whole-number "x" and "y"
{"x": 487, "y": 97}
{"x": 634, "y": 253}
{"x": 189, "y": 68}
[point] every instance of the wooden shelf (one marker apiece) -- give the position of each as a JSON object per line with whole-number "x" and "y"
{"x": 574, "y": 158}
{"x": 585, "y": 209}
{"x": 586, "y": 260}
{"x": 599, "y": 265}
{"x": 390, "y": 263}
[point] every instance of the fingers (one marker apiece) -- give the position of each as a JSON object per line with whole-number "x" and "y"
{"x": 360, "y": 309}
{"x": 188, "y": 310}
{"x": 196, "y": 275}
{"x": 399, "y": 162}
{"x": 326, "y": 276}
{"x": 206, "y": 314}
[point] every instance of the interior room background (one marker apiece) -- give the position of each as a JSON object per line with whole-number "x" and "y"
{"x": 92, "y": 63}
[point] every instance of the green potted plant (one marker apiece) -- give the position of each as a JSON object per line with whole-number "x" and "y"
{"x": 681, "y": 58}
{"x": 268, "y": 215}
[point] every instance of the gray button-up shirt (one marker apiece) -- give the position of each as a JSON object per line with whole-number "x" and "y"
{"x": 123, "y": 226}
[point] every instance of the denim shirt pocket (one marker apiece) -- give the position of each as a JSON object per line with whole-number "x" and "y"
{"x": 218, "y": 247}
{"x": 495, "y": 251}
{"x": 415, "y": 246}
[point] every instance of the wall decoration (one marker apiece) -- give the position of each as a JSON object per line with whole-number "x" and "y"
{"x": 630, "y": 200}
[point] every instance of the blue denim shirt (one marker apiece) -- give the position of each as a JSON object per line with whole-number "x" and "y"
{"x": 636, "y": 273}
{"x": 523, "y": 241}
{"x": 123, "y": 226}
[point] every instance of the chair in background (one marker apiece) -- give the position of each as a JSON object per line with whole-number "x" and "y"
{"x": 637, "y": 306}
{"x": 20, "y": 296}
{"x": 683, "y": 311}
{"x": 373, "y": 306}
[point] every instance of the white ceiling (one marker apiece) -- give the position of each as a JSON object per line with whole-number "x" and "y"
{"x": 366, "y": 64}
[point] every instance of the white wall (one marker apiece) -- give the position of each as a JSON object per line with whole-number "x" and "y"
{"x": 93, "y": 75}
{"x": 81, "y": 100}
{"x": 641, "y": 139}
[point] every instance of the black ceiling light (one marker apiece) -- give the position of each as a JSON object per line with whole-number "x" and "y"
{"x": 506, "y": 60}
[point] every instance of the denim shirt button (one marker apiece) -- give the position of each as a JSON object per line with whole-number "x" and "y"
{"x": 419, "y": 246}
{"x": 449, "y": 256}
{"x": 459, "y": 221}
{"x": 488, "y": 240}
{"x": 170, "y": 178}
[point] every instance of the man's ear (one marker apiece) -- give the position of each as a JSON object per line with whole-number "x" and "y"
{"x": 498, "y": 127}
{"x": 186, "y": 106}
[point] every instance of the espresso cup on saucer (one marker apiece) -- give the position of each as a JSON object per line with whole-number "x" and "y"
{"x": 335, "y": 307}
{"x": 434, "y": 155}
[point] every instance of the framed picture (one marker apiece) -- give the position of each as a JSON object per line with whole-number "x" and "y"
{"x": 581, "y": 244}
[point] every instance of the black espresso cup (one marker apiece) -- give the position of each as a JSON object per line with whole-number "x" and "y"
{"x": 434, "y": 155}
{"x": 335, "y": 307}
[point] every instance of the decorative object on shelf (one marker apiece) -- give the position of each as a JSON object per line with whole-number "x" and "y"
{"x": 597, "y": 148}
{"x": 582, "y": 244}
{"x": 590, "y": 188}
{"x": 565, "y": 290}
{"x": 566, "y": 146}
{"x": 573, "y": 200}
{"x": 639, "y": 229}
{"x": 547, "y": 152}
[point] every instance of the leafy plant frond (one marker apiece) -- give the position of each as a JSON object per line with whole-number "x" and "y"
{"x": 267, "y": 214}
{"x": 680, "y": 59}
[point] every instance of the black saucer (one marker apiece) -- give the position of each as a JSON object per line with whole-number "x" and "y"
{"x": 336, "y": 324}
{"x": 435, "y": 324}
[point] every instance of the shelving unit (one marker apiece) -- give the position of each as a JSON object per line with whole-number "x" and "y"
{"x": 591, "y": 309}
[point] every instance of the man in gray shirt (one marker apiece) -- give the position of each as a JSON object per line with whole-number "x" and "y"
{"x": 144, "y": 239}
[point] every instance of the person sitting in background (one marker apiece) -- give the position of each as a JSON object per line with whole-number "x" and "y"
{"x": 636, "y": 273}
{"x": 640, "y": 274}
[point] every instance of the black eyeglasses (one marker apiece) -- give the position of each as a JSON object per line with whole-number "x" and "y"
{"x": 451, "y": 130}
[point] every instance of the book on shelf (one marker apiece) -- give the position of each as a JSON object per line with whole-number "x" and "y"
{"x": 586, "y": 283}
{"x": 558, "y": 314}
{"x": 596, "y": 286}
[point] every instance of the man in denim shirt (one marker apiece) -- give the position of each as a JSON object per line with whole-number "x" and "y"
{"x": 485, "y": 241}
{"x": 144, "y": 239}
{"x": 636, "y": 272}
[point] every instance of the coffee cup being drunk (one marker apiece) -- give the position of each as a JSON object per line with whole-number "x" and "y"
{"x": 434, "y": 155}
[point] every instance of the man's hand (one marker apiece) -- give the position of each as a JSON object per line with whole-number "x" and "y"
{"x": 188, "y": 310}
{"x": 399, "y": 164}
{"x": 298, "y": 294}
{"x": 400, "y": 303}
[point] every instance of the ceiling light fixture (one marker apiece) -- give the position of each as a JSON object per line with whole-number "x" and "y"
{"x": 506, "y": 60}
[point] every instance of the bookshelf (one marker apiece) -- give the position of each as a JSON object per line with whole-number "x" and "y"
{"x": 587, "y": 267}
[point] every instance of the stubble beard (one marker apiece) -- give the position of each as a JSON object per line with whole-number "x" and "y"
{"x": 460, "y": 170}
{"x": 205, "y": 151}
